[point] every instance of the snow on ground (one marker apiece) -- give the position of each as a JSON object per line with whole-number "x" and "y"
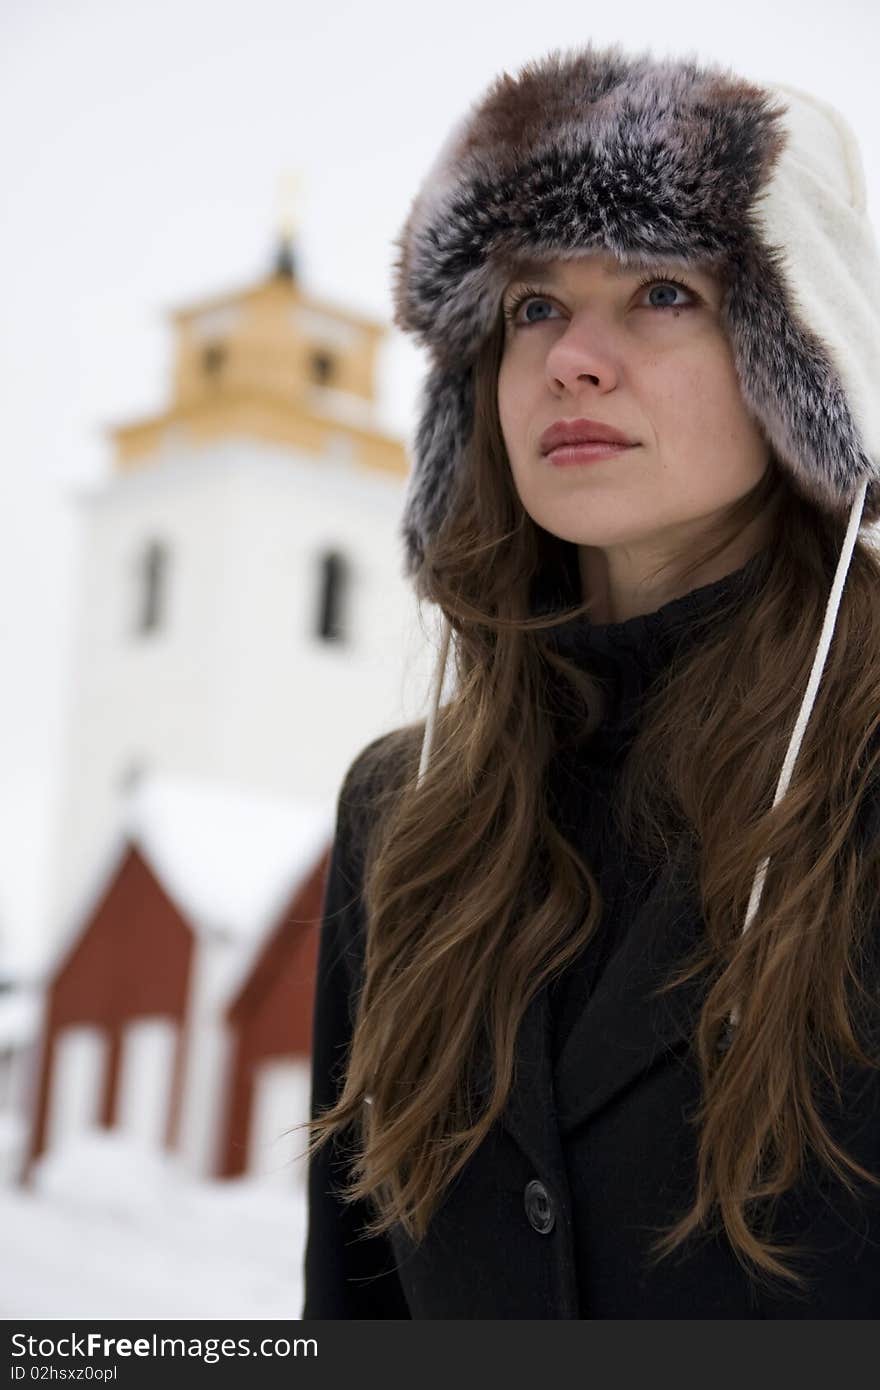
{"x": 112, "y": 1229}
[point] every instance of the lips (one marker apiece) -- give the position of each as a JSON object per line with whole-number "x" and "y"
{"x": 581, "y": 432}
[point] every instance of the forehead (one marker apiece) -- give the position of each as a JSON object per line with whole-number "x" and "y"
{"x": 606, "y": 266}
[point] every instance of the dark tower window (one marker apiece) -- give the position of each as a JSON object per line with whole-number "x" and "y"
{"x": 323, "y": 366}
{"x": 333, "y": 583}
{"x": 213, "y": 357}
{"x": 153, "y": 583}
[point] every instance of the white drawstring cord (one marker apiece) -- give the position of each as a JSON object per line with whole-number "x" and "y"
{"x": 831, "y": 611}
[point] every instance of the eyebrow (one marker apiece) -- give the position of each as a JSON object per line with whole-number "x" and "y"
{"x": 551, "y": 272}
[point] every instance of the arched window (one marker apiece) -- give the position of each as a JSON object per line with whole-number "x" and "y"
{"x": 333, "y": 584}
{"x": 153, "y": 585}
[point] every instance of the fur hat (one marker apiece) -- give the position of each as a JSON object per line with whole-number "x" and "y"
{"x": 672, "y": 160}
{"x": 650, "y": 159}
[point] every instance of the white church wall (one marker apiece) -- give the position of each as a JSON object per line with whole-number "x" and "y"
{"x": 304, "y": 707}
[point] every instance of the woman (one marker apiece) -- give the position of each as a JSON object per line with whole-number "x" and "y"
{"x": 597, "y": 1027}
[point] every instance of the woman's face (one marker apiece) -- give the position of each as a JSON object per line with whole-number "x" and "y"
{"x": 654, "y": 362}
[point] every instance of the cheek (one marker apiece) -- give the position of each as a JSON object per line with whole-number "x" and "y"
{"x": 511, "y": 409}
{"x": 705, "y": 435}
{"x": 701, "y": 399}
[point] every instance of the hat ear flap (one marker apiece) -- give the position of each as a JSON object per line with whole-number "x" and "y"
{"x": 790, "y": 382}
{"x": 445, "y": 423}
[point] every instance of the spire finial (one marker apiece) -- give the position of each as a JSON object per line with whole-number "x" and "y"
{"x": 285, "y": 260}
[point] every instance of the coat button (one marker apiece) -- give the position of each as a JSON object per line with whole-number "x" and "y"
{"x": 539, "y": 1206}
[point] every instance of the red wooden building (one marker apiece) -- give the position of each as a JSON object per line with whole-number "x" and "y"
{"x": 179, "y": 1005}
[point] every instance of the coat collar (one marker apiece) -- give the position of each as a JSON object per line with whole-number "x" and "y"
{"x": 621, "y": 1031}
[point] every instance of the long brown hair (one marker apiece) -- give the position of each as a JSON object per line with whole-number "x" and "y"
{"x": 470, "y": 890}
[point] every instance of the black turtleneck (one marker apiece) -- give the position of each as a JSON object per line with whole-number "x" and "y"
{"x": 628, "y": 656}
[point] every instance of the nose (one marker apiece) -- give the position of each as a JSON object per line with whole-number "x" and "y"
{"x": 584, "y": 352}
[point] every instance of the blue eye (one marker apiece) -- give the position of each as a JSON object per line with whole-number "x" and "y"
{"x": 528, "y": 292}
{"x": 667, "y": 284}
{"x": 539, "y": 301}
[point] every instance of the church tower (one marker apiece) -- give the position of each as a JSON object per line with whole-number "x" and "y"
{"x": 242, "y": 614}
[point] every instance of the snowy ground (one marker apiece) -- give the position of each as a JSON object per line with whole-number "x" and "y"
{"x": 110, "y": 1229}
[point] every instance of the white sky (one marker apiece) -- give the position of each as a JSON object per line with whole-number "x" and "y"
{"x": 140, "y": 157}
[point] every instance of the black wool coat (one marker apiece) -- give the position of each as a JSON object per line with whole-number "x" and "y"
{"x": 503, "y": 1241}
